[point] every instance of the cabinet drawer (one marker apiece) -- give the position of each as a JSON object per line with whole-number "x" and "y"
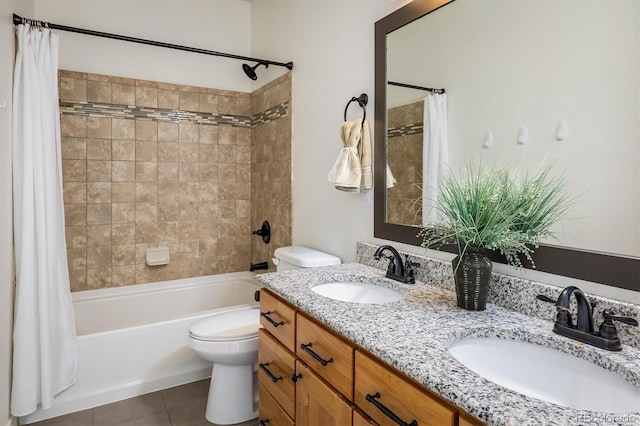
{"x": 361, "y": 419}
{"x": 278, "y": 318}
{"x": 387, "y": 389}
{"x": 317, "y": 403}
{"x": 468, "y": 420}
{"x": 276, "y": 366}
{"x": 327, "y": 354}
{"x": 270, "y": 412}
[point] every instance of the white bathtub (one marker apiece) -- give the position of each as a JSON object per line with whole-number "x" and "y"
{"x": 133, "y": 340}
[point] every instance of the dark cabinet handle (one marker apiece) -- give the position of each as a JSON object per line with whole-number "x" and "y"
{"x": 295, "y": 377}
{"x": 269, "y": 373}
{"x": 264, "y": 422}
{"x": 266, "y": 316}
{"x": 387, "y": 412}
{"x": 315, "y": 355}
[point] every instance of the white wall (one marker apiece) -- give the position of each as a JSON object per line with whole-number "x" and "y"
{"x": 220, "y": 25}
{"x": 331, "y": 43}
{"x": 7, "y": 56}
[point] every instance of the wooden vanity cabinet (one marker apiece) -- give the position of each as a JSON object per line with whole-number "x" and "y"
{"x": 276, "y": 367}
{"x": 318, "y": 403}
{"x": 330, "y": 356}
{"x": 271, "y": 413}
{"x": 361, "y": 419}
{"x": 468, "y": 420}
{"x": 315, "y": 391}
{"x": 279, "y": 319}
{"x": 379, "y": 389}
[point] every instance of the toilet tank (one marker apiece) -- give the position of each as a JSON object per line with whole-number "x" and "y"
{"x": 297, "y": 257}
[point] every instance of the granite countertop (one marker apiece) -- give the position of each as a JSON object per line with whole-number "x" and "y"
{"x": 413, "y": 335}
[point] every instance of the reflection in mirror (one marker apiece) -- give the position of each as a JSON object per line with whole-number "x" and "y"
{"x": 417, "y": 155}
{"x": 519, "y": 70}
{"x": 404, "y": 158}
{"x": 581, "y": 67}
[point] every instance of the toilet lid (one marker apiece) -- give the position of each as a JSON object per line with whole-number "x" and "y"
{"x": 231, "y": 325}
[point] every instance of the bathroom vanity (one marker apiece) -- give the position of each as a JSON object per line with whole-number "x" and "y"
{"x": 334, "y": 362}
{"x": 325, "y": 376}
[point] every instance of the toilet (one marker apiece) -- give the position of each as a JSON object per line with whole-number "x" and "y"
{"x": 229, "y": 340}
{"x": 297, "y": 257}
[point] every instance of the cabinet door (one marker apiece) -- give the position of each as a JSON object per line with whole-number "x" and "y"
{"x": 278, "y": 318}
{"x": 329, "y": 355}
{"x": 271, "y": 413}
{"x": 389, "y": 398}
{"x": 317, "y": 403}
{"x": 276, "y": 366}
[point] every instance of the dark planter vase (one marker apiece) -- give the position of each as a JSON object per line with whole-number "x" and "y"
{"x": 472, "y": 273}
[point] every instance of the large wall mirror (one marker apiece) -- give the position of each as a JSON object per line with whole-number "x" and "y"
{"x": 522, "y": 71}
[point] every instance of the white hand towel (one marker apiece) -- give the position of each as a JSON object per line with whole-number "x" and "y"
{"x": 352, "y": 170}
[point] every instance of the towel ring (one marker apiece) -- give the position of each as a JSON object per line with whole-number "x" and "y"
{"x": 362, "y": 100}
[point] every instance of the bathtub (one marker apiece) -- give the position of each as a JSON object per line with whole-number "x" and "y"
{"x": 133, "y": 340}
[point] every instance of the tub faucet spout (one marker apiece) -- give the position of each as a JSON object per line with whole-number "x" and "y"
{"x": 258, "y": 266}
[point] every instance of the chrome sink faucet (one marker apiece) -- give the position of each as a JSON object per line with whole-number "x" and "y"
{"x": 607, "y": 335}
{"x": 397, "y": 270}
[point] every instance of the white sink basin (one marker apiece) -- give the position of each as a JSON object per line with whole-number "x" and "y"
{"x": 547, "y": 374}
{"x": 357, "y": 292}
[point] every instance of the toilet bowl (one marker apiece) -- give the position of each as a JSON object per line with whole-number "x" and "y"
{"x": 229, "y": 340}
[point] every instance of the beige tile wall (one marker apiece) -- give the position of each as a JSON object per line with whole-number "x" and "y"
{"x": 271, "y": 168}
{"x": 132, "y": 184}
{"x": 404, "y": 156}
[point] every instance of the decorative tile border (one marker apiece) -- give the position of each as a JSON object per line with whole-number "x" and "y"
{"x": 411, "y": 129}
{"x": 270, "y": 114}
{"x": 174, "y": 116}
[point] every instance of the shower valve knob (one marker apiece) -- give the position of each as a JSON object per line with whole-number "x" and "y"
{"x": 264, "y": 232}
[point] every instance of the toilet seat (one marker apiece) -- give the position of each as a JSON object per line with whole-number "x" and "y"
{"x": 227, "y": 326}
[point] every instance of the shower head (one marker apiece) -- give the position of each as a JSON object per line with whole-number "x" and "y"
{"x": 250, "y": 71}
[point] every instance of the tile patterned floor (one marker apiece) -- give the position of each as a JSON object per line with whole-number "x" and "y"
{"x": 179, "y": 406}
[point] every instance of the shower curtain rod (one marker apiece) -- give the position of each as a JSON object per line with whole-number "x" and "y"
{"x": 17, "y": 20}
{"x": 411, "y": 86}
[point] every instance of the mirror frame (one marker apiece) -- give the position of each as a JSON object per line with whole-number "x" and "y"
{"x": 605, "y": 268}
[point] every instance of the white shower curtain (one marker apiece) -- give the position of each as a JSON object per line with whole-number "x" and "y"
{"x": 435, "y": 152}
{"x": 44, "y": 338}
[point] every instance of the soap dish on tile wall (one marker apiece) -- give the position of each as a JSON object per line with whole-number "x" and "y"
{"x": 157, "y": 256}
